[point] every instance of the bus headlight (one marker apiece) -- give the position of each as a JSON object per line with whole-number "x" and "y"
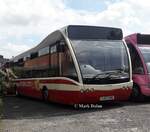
{"x": 146, "y": 85}
{"x": 82, "y": 90}
{"x": 92, "y": 89}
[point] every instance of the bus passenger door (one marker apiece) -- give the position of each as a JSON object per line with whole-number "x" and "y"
{"x": 66, "y": 64}
{"x": 68, "y": 74}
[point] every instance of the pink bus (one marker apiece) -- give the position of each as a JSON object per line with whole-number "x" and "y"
{"x": 139, "y": 48}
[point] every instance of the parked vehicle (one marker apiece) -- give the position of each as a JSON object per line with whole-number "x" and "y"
{"x": 76, "y": 64}
{"x": 139, "y": 47}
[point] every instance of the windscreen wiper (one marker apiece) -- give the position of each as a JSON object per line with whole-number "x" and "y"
{"x": 107, "y": 74}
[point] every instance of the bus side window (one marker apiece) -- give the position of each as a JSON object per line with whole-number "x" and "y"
{"x": 18, "y": 68}
{"x": 54, "y": 61}
{"x": 67, "y": 67}
{"x": 137, "y": 67}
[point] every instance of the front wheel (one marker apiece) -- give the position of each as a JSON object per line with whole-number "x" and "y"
{"x": 136, "y": 94}
{"x": 45, "y": 94}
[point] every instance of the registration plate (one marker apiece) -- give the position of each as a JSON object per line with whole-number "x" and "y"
{"x": 106, "y": 98}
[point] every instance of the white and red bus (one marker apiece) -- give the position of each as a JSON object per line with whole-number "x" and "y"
{"x": 76, "y": 64}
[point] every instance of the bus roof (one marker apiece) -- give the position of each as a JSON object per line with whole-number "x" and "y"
{"x": 76, "y": 32}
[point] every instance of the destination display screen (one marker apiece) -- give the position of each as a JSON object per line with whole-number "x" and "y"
{"x": 143, "y": 38}
{"x": 93, "y": 32}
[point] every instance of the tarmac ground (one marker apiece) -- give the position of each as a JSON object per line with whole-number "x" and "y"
{"x": 22, "y": 114}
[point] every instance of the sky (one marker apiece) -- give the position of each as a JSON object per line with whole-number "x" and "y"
{"x": 25, "y": 23}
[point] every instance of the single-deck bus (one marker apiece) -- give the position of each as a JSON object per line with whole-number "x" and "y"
{"x": 76, "y": 64}
{"x": 139, "y": 47}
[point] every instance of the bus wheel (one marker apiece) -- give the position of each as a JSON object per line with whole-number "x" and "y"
{"x": 45, "y": 94}
{"x": 136, "y": 94}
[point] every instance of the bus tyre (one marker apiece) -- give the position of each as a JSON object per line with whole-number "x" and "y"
{"x": 45, "y": 94}
{"x": 136, "y": 94}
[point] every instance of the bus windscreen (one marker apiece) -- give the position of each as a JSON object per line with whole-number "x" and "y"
{"x": 93, "y": 32}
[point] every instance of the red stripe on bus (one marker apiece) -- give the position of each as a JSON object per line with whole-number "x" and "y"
{"x": 75, "y": 97}
{"x": 58, "y": 81}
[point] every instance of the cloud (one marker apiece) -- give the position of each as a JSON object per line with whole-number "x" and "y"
{"x": 13, "y": 49}
{"x": 24, "y": 23}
